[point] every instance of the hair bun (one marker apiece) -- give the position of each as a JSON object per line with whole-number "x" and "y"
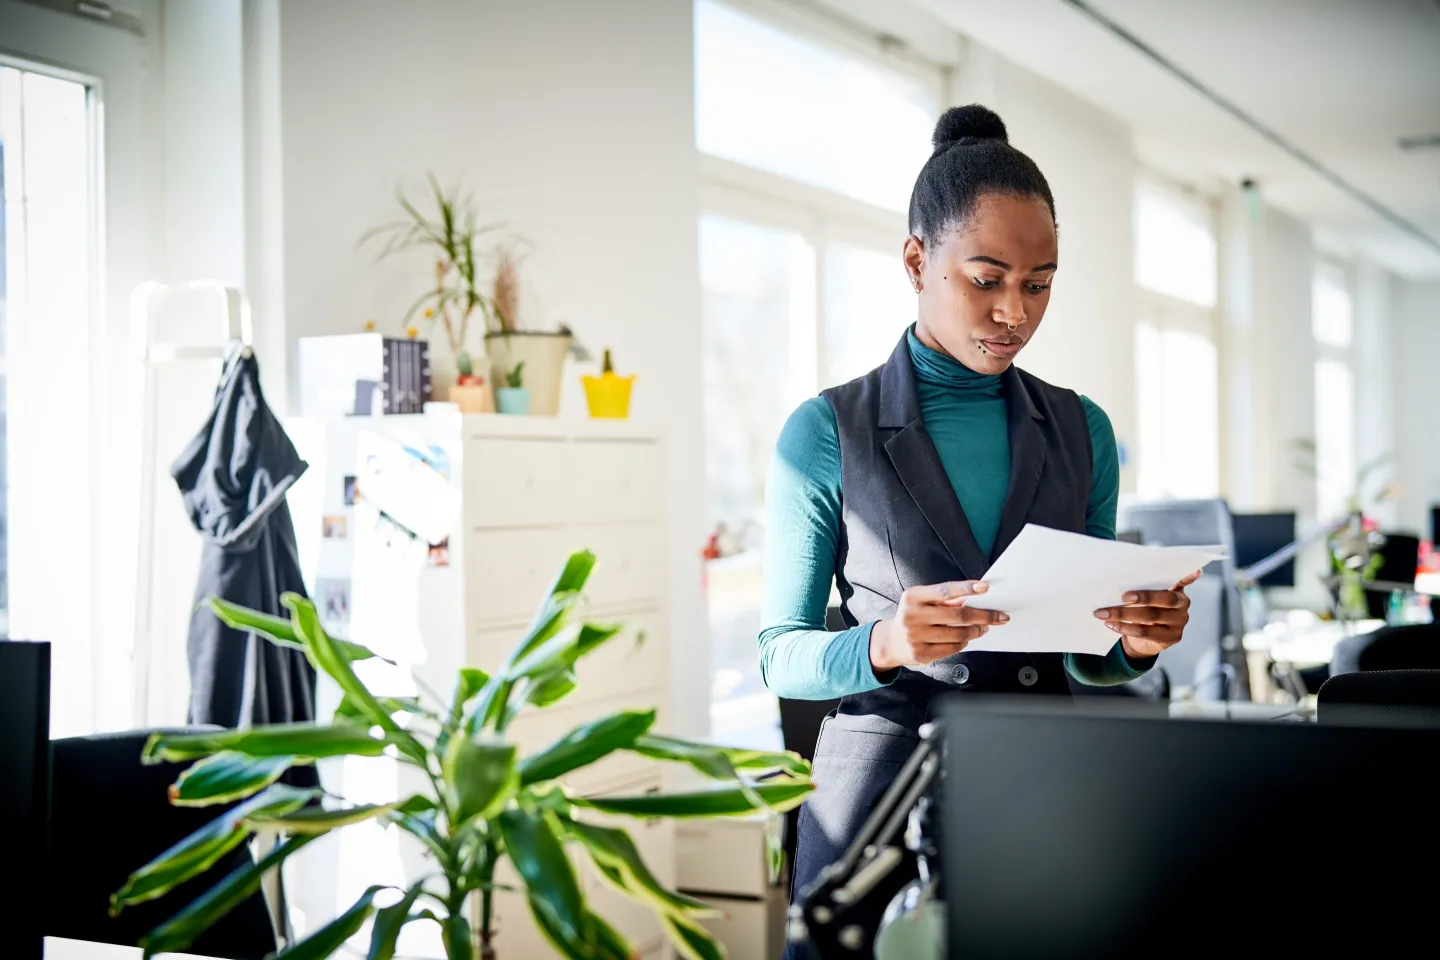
{"x": 972, "y": 122}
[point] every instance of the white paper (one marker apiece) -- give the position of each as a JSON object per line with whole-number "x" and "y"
{"x": 1051, "y": 583}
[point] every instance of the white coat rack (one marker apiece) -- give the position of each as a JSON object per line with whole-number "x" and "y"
{"x": 234, "y": 332}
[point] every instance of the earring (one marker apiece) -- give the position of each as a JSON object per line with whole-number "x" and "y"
{"x": 915, "y": 282}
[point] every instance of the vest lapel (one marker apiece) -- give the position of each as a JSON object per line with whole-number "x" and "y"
{"x": 1027, "y": 458}
{"x": 916, "y": 461}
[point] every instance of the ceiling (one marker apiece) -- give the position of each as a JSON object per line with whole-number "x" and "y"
{"x": 1342, "y": 80}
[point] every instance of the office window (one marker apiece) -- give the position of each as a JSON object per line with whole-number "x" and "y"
{"x": 1175, "y": 249}
{"x": 1176, "y": 362}
{"x": 1332, "y": 322}
{"x": 808, "y": 153}
{"x": 782, "y": 103}
{"x": 1178, "y": 413}
{"x": 1332, "y": 311}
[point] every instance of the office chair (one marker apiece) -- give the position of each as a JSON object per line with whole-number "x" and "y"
{"x": 1383, "y": 696}
{"x": 110, "y": 815}
{"x": 1211, "y": 659}
{"x": 1412, "y": 646}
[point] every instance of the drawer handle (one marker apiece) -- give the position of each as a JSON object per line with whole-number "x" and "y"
{"x": 529, "y": 483}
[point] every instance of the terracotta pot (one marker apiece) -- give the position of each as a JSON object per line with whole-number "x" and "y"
{"x": 472, "y": 397}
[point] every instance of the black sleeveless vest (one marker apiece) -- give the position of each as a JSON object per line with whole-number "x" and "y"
{"x": 902, "y": 525}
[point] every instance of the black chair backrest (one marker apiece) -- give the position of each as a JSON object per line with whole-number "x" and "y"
{"x": 1381, "y": 696}
{"x": 110, "y": 815}
{"x": 1413, "y": 646}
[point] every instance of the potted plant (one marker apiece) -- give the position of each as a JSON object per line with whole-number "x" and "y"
{"x": 513, "y": 398}
{"x": 450, "y": 234}
{"x": 608, "y": 395}
{"x": 484, "y": 801}
{"x": 508, "y": 343}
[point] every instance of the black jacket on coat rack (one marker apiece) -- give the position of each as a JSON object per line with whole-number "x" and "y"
{"x": 233, "y": 478}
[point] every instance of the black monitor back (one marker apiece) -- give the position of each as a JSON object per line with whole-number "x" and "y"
{"x": 1107, "y": 835}
{"x": 25, "y": 792}
{"x": 1257, "y": 536}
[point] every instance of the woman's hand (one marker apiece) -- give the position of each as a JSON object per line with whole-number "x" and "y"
{"x": 930, "y": 624}
{"x": 1151, "y": 620}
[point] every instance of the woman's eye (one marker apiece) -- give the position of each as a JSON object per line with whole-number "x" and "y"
{"x": 984, "y": 284}
{"x": 1037, "y": 287}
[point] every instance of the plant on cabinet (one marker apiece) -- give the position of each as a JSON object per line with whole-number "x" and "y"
{"x": 485, "y": 802}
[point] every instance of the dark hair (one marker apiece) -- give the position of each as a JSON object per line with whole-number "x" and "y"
{"x": 972, "y": 157}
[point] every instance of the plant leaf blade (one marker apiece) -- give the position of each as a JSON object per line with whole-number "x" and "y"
{"x": 275, "y": 740}
{"x": 724, "y": 802}
{"x": 482, "y": 774}
{"x": 329, "y": 938}
{"x": 586, "y": 744}
{"x": 225, "y": 777}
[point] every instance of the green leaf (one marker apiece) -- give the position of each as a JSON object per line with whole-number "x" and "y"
{"x": 692, "y": 940}
{"x": 562, "y": 650}
{"x": 551, "y": 688}
{"x": 471, "y": 681}
{"x": 456, "y": 936}
{"x": 240, "y": 884}
{"x": 224, "y": 777}
{"x": 200, "y": 851}
{"x": 329, "y": 938}
{"x": 275, "y": 740}
{"x": 600, "y": 941}
{"x": 586, "y": 744}
{"x": 614, "y": 853}
{"x": 318, "y": 819}
{"x": 724, "y": 802}
{"x": 720, "y": 763}
{"x": 388, "y": 922}
{"x": 348, "y": 709}
{"x": 755, "y": 761}
{"x": 330, "y": 658}
{"x": 416, "y": 805}
{"x": 539, "y": 858}
{"x": 481, "y": 775}
{"x": 277, "y": 630}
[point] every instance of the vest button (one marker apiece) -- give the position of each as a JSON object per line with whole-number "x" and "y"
{"x": 1028, "y": 676}
{"x": 962, "y": 673}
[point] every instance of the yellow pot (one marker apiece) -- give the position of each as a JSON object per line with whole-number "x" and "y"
{"x": 608, "y": 395}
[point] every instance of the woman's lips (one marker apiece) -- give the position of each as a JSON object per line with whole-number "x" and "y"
{"x": 1003, "y": 348}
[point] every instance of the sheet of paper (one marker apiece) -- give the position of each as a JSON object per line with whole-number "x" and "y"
{"x": 1051, "y": 583}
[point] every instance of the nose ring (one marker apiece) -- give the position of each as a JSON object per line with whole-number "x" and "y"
{"x": 1012, "y": 326}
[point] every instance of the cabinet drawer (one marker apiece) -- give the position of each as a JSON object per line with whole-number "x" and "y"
{"x": 520, "y": 482}
{"x": 614, "y": 481}
{"x": 509, "y": 571}
{"x": 535, "y": 729}
{"x": 723, "y": 856}
{"x": 622, "y": 665}
{"x": 516, "y": 483}
{"x": 749, "y": 929}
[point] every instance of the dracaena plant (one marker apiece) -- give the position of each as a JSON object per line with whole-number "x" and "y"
{"x": 484, "y": 801}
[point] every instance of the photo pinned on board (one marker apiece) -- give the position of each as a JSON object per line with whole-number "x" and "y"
{"x": 351, "y": 493}
{"x": 439, "y": 554}
{"x": 333, "y": 527}
{"x": 332, "y": 597}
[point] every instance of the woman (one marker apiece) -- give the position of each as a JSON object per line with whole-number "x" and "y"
{"x": 903, "y": 485}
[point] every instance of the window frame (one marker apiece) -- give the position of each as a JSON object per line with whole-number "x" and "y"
{"x": 1340, "y": 273}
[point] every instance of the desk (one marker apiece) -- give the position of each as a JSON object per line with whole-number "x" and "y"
{"x": 1242, "y": 710}
{"x": 59, "y": 948}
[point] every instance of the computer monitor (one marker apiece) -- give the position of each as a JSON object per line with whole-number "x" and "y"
{"x": 1257, "y": 536}
{"x": 1099, "y": 834}
{"x": 25, "y": 792}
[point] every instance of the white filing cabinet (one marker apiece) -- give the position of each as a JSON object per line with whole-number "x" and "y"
{"x": 723, "y": 862}
{"x": 524, "y": 493}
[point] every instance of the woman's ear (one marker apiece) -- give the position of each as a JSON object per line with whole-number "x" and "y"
{"x": 914, "y": 257}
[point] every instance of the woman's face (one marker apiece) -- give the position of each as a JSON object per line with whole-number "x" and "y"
{"x": 981, "y": 281}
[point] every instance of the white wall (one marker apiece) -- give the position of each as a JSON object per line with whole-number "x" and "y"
{"x": 1377, "y": 431}
{"x": 573, "y": 123}
{"x": 1267, "y": 262}
{"x": 1087, "y": 341}
{"x": 1416, "y": 352}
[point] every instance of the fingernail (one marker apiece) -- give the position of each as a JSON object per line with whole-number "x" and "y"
{"x": 1131, "y": 598}
{"x": 981, "y": 586}
{"x": 1002, "y": 617}
{"x": 1102, "y": 614}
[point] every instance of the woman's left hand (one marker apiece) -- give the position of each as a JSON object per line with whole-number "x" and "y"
{"x": 1150, "y": 620}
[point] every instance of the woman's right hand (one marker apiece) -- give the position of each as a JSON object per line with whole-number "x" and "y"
{"x": 930, "y": 624}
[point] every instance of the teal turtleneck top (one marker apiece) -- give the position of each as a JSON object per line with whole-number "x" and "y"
{"x": 965, "y": 416}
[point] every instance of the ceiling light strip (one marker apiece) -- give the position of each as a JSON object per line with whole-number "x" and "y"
{"x": 1259, "y": 127}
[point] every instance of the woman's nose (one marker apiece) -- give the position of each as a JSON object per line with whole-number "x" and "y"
{"x": 1009, "y": 309}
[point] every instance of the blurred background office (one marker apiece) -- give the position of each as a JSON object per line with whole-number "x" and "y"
{"x": 1248, "y": 197}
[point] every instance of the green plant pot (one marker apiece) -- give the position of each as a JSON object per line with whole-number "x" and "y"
{"x": 513, "y": 400}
